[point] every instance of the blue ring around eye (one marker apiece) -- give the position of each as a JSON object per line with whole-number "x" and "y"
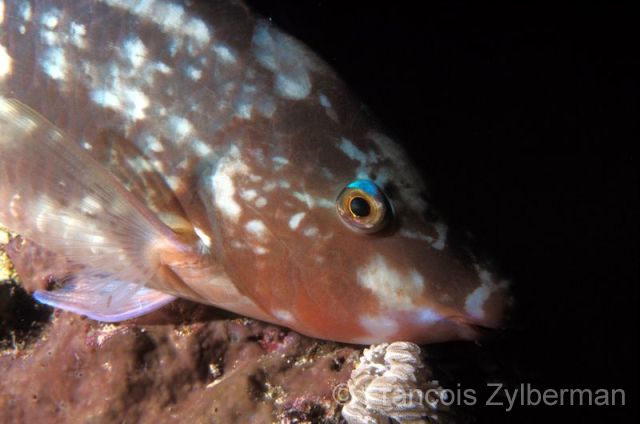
{"x": 367, "y": 186}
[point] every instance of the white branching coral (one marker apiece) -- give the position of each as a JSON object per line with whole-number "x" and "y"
{"x": 392, "y": 385}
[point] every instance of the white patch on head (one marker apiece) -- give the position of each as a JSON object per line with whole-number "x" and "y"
{"x": 404, "y": 175}
{"x": 223, "y": 185}
{"x": 285, "y": 57}
{"x": 25, "y": 10}
{"x": 193, "y": 73}
{"x": 261, "y": 202}
{"x": 181, "y": 127}
{"x": 474, "y": 303}
{"x": 324, "y": 101}
{"x": 256, "y": 228}
{"x": 304, "y": 198}
{"x": 244, "y": 110}
{"x": 6, "y": 63}
{"x": 134, "y": 50}
{"x": 269, "y": 186}
{"x": 201, "y": 148}
{"x": 311, "y": 201}
{"x": 87, "y": 146}
{"x": 224, "y": 53}
{"x": 163, "y": 68}
{"x": 54, "y": 63}
{"x": 311, "y": 231}
{"x": 50, "y": 18}
{"x": 438, "y": 243}
{"x": 325, "y": 203}
{"x": 427, "y": 315}
{"x": 295, "y": 86}
{"x": 248, "y": 195}
{"x": 394, "y": 289}
{"x": 441, "y": 229}
{"x": 279, "y": 162}
{"x": 153, "y": 144}
{"x": 367, "y": 160}
{"x": 170, "y": 17}
{"x": 356, "y": 154}
{"x": 328, "y": 107}
{"x": 283, "y": 316}
{"x": 265, "y": 45}
{"x": 77, "y": 32}
{"x": 260, "y": 250}
{"x": 266, "y": 106}
{"x": 295, "y": 220}
{"x": 107, "y": 99}
{"x": 129, "y": 101}
{"x": 381, "y": 327}
{"x": 135, "y": 102}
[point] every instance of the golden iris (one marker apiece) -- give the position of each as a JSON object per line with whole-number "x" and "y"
{"x": 363, "y": 207}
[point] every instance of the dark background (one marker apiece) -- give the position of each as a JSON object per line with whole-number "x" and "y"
{"x": 522, "y": 119}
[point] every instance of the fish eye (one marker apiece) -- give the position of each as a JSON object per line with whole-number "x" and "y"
{"x": 363, "y": 207}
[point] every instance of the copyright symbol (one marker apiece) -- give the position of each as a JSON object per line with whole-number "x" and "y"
{"x": 341, "y": 394}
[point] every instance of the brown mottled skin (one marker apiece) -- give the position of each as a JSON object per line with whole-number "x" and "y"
{"x": 220, "y": 124}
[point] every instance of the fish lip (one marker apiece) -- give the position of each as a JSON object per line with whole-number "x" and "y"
{"x": 475, "y": 329}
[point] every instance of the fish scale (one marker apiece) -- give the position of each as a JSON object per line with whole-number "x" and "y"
{"x": 180, "y": 149}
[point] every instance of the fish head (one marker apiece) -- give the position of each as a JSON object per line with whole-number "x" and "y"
{"x": 339, "y": 241}
{"x": 316, "y": 217}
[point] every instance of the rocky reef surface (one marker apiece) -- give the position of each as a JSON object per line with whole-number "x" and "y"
{"x": 184, "y": 363}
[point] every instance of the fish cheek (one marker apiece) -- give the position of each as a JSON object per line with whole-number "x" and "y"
{"x": 328, "y": 316}
{"x": 330, "y": 302}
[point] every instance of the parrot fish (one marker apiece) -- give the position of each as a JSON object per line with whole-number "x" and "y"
{"x": 171, "y": 149}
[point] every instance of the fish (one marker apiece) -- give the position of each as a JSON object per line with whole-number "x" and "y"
{"x": 166, "y": 149}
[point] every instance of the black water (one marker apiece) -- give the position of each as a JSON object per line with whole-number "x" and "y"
{"x": 522, "y": 118}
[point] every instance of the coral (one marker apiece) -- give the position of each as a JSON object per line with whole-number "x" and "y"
{"x": 6, "y": 268}
{"x": 392, "y": 384}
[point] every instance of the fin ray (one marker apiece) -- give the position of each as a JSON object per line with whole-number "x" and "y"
{"x": 103, "y": 298}
{"x": 55, "y": 194}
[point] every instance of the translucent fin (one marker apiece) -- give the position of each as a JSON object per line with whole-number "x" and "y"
{"x": 104, "y": 299}
{"x": 53, "y": 193}
{"x": 56, "y": 195}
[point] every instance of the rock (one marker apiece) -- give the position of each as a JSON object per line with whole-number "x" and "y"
{"x": 184, "y": 363}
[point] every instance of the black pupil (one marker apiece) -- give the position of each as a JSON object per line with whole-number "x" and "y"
{"x": 360, "y": 207}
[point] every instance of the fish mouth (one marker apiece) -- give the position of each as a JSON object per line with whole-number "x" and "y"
{"x": 473, "y": 330}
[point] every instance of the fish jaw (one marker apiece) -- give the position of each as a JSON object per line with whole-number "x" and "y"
{"x": 359, "y": 288}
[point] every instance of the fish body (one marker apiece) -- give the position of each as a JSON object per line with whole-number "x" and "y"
{"x": 172, "y": 149}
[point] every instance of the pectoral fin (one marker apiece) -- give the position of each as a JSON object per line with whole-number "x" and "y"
{"x": 56, "y": 195}
{"x": 107, "y": 300}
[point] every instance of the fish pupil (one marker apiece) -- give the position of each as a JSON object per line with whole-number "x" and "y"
{"x": 359, "y": 207}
